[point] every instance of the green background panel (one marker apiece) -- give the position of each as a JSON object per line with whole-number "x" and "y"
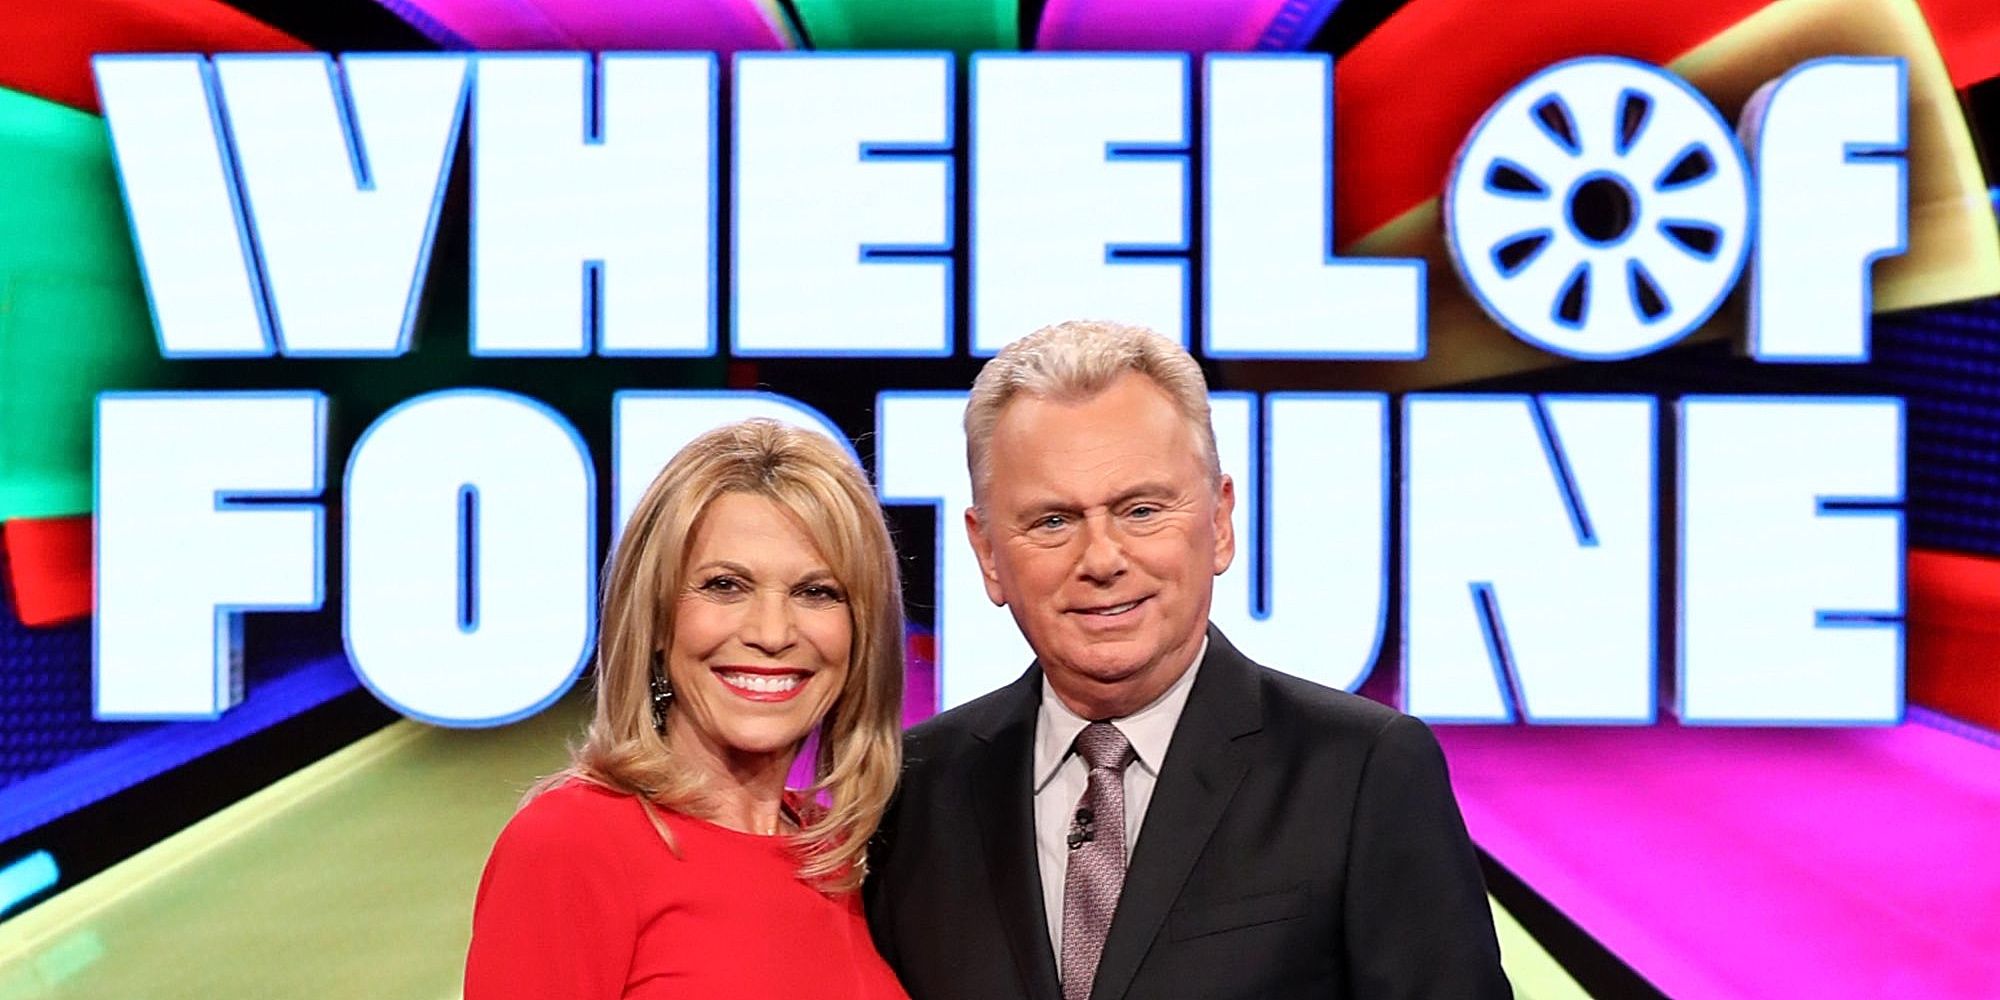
{"x": 73, "y": 316}
{"x": 960, "y": 26}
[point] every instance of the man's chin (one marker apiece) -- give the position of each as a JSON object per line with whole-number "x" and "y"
{"x": 1109, "y": 668}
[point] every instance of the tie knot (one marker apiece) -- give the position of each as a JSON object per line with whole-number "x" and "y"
{"x": 1102, "y": 745}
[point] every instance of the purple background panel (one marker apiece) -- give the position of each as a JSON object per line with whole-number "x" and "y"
{"x": 1180, "y": 26}
{"x": 1754, "y": 862}
{"x": 625, "y": 25}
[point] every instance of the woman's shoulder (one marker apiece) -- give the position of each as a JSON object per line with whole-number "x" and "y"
{"x": 559, "y": 871}
{"x": 574, "y": 795}
{"x": 573, "y": 815}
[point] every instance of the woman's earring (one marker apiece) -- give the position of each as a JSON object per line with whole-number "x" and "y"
{"x": 662, "y": 694}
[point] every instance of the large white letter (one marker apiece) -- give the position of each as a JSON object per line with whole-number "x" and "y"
{"x": 1529, "y": 560}
{"x": 1274, "y": 287}
{"x": 920, "y": 459}
{"x": 179, "y": 558}
{"x": 194, "y": 252}
{"x": 471, "y": 557}
{"x": 1829, "y": 133}
{"x": 1080, "y": 193}
{"x": 842, "y": 204}
{"x": 343, "y": 169}
{"x": 1791, "y": 560}
{"x": 1600, "y": 210}
{"x": 593, "y": 210}
{"x": 649, "y": 427}
{"x": 1319, "y": 476}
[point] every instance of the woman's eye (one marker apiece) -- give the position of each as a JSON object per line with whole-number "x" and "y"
{"x": 723, "y": 585}
{"x": 820, "y": 593}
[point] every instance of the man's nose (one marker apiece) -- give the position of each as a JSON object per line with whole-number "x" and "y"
{"x": 767, "y": 624}
{"x": 1103, "y": 556}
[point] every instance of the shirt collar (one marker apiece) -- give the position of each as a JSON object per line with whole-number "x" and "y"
{"x": 1149, "y": 729}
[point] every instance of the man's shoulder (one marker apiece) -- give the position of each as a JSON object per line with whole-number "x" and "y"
{"x": 1311, "y": 710}
{"x": 942, "y": 754}
{"x": 1303, "y": 720}
{"x": 980, "y": 716}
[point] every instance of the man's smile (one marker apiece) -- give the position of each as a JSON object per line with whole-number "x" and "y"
{"x": 1111, "y": 610}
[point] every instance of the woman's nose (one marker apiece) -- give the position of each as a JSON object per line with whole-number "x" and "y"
{"x": 767, "y": 625}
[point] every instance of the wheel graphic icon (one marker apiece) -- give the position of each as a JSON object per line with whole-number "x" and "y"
{"x": 1600, "y": 210}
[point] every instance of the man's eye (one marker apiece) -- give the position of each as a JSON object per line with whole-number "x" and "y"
{"x": 1050, "y": 522}
{"x": 1143, "y": 511}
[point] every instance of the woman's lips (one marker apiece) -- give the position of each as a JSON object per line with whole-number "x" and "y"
{"x": 763, "y": 683}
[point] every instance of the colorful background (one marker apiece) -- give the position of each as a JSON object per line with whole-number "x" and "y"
{"x": 312, "y": 844}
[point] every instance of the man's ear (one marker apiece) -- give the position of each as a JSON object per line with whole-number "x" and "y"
{"x": 975, "y": 532}
{"x": 1225, "y": 526}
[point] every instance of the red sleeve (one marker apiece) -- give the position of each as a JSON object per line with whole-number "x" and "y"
{"x": 555, "y": 918}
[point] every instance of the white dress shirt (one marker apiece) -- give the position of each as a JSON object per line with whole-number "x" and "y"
{"x": 1061, "y": 778}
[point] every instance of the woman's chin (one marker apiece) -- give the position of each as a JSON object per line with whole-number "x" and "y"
{"x": 763, "y": 741}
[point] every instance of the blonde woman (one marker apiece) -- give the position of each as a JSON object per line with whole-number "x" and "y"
{"x": 753, "y": 600}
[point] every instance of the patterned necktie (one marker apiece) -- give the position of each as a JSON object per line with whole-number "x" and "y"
{"x": 1096, "y": 857}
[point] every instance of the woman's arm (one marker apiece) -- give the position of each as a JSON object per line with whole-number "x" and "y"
{"x": 556, "y": 918}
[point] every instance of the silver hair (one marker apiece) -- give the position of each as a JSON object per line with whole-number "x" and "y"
{"x": 1076, "y": 360}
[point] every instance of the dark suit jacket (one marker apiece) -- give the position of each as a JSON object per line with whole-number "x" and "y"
{"x": 1300, "y": 842}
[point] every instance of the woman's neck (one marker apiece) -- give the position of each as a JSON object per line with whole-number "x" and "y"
{"x": 745, "y": 790}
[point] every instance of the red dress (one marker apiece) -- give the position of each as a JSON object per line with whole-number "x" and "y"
{"x": 582, "y": 900}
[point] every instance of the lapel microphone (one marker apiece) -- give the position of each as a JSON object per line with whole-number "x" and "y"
{"x": 1081, "y": 829}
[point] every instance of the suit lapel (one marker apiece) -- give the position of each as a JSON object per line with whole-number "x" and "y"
{"x": 1003, "y": 797}
{"x": 1205, "y": 761}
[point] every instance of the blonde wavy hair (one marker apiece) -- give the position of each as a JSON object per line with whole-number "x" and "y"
{"x": 860, "y": 737}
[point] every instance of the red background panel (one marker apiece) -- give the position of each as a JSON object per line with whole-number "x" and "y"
{"x": 48, "y": 562}
{"x": 45, "y": 49}
{"x": 1954, "y": 635}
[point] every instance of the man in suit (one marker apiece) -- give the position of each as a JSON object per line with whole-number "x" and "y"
{"x": 1146, "y": 812}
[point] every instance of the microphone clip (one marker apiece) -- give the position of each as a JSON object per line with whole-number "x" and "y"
{"x": 1082, "y": 829}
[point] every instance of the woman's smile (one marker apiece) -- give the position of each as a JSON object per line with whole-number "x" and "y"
{"x": 763, "y": 683}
